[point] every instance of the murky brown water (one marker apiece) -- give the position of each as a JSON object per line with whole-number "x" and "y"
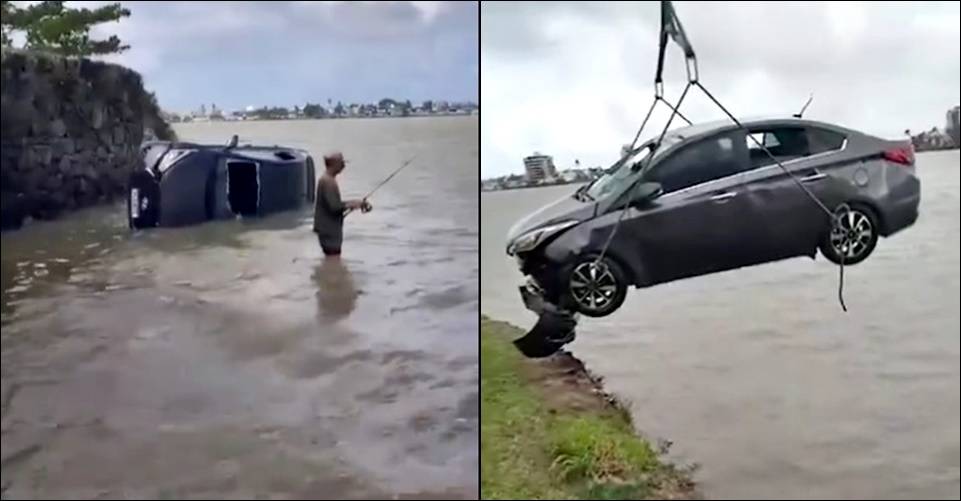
{"x": 757, "y": 375}
{"x": 230, "y": 360}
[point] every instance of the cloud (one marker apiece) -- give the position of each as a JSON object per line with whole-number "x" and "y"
{"x": 575, "y": 79}
{"x": 286, "y": 53}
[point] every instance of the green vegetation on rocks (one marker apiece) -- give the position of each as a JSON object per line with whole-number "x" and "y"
{"x": 548, "y": 432}
{"x": 71, "y": 130}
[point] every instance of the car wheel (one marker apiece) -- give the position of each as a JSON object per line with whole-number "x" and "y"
{"x": 597, "y": 289}
{"x": 855, "y": 239}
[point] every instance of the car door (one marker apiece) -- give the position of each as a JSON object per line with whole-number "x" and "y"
{"x": 788, "y": 222}
{"x": 698, "y": 224}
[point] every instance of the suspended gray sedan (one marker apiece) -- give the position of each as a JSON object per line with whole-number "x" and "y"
{"x": 711, "y": 199}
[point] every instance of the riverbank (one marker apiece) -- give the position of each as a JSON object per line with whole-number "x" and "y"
{"x": 549, "y": 431}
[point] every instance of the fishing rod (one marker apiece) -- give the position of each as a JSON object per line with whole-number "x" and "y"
{"x": 392, "y": 174}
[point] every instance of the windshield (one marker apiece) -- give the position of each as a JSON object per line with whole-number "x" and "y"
{"x": 622, "y": 174}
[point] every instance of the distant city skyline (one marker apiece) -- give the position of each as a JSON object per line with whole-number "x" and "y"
{"x": 208, "y": 105}
{"x": 384, "y": 108}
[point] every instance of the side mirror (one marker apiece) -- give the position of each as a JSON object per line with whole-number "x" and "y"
{"x": 645, "y": 193}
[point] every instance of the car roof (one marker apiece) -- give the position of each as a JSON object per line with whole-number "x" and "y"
{"x": 706, "y": 128}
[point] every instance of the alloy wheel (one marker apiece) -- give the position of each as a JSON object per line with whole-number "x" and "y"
{"x": 593, "y": 285}
{"x": 852, "y": 236}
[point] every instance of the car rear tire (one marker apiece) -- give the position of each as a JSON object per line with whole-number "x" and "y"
{"x": 596, "y": 290}
{"x": 856, "y": 238}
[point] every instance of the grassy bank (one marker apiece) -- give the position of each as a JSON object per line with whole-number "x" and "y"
{"x": 548, "y": 432}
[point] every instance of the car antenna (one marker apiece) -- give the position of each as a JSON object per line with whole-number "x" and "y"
{"x": 810, "y": 98}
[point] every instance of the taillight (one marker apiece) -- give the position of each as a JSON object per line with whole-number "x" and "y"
{"x": 903, "y": 155}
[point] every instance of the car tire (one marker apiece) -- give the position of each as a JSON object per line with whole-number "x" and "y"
{"x": 601, "y": 297}
{"x": 861, "y": 220}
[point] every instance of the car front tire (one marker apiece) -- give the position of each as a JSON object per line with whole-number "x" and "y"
{"x": 596, "y": 290}
{"x": 855, "y": 239}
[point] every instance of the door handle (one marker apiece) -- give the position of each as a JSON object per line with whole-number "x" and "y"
{"x": 815, "y": 176}
{"x": 720, "y": 197}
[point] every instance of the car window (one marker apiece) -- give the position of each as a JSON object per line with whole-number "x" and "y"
{"x": 755, "y": 139}
{"x": 790, "y": 143}
{"x": 699, "y": 162}
{"x": 785, "y": 143}
{"x": 821, "y": 140}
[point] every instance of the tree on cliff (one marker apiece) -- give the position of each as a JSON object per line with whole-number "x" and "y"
{"x": 52, "y": 27}
{"x": 5, "y": 9}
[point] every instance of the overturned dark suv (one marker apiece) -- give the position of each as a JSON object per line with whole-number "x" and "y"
{"x": 709, "y": 199}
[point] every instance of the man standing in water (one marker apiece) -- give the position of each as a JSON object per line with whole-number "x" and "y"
{"x": 329, "y": 209}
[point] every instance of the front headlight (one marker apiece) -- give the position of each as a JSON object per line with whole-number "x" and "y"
{"x": 531, "y": 239}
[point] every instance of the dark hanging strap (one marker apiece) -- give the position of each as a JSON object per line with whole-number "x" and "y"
{"x": 630, "y": 195}
{"x": 671, "y": 29}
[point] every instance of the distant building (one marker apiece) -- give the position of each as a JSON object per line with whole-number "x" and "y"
{"x": 952, "y": 127}
{"x": 540, "y": 168}
{"x": 571, "y": 175}
{"x": 931, "y": 140}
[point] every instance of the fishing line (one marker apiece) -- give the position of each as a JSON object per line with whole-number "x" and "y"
{"x": 392, "y": 174}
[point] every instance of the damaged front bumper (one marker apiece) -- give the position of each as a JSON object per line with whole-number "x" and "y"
{"x": 533, "y": 297}
{"x": 554, "y": 327}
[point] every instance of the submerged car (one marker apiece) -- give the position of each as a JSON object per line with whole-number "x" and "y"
{"x": 185, "y": 183}
{"x": 710, "y": 199}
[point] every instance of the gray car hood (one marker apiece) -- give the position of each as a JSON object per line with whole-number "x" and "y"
{"x": 563, "y": 209}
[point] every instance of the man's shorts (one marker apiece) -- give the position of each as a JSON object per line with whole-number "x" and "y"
{"x": 330, "y": 246}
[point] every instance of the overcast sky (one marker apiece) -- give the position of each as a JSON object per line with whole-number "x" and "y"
{"x": 574, "y": 80}
{"x": 236, "y": 54}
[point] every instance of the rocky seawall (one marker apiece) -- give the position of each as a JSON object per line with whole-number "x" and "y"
{"x": 70, "y": 130}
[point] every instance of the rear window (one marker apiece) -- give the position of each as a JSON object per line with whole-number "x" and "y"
{"x": 821, "y": 140}
{"x": 790, "y": 143}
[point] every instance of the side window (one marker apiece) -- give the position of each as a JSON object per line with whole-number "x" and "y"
{"x": 757, "y": 155}
{"x": 822, "y": 140}
{"x": 768, "y": 139}
{"x": 785, "y": 143}
{"x": 699, "y": 162}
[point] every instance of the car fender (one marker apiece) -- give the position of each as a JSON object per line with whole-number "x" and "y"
{"x": 587, "y": 239}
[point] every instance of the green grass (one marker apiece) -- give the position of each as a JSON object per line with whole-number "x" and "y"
{"x": 536, "y": 450}
{"x": 515, "y": 461}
